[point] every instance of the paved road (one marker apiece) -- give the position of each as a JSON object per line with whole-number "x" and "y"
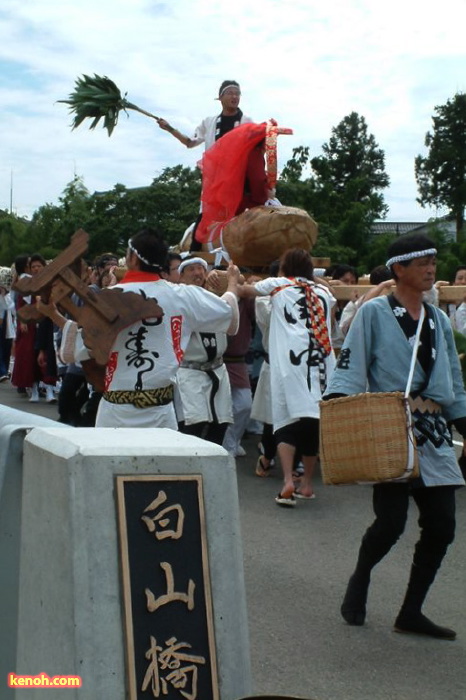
{"x": 296, "y": 566}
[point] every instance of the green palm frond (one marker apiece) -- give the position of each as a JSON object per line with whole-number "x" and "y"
{"x": 99, "y": 98}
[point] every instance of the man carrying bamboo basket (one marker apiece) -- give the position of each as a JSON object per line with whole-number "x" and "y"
{"x": 376, "y": 356}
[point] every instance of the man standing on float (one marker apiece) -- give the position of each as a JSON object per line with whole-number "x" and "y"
{"x": 212, "y": 128}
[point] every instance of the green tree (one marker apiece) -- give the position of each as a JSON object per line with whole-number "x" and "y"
{"x": 351, "y": 171}
{"x": 441, "y": 175}
{"x": 76, "y": 206}
{"x": 13, "y": 237}
{"x": 170, "y": 204}
{"x": 45, "y": 230}
{"x": 377, "y": 253}
{"x": 294, "y": 168}
{"x": 177, "y": 192}
{"x": 341, "y": 189}
{"x": 53, "y": 225}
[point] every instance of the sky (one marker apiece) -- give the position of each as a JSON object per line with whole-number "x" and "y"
{"x": 305, "y": 63}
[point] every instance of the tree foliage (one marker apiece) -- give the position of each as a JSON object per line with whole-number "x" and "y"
{"x": 170, "y": 204}
{"x": 441, "y": 175}
{"x": 341, "y": 189}
{"x": 353, "y": 165}
{"x": 13, "y": 237}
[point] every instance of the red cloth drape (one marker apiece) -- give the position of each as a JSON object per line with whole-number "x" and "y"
{"x": 224, "y": 168}
{"x": 223, "y": 173}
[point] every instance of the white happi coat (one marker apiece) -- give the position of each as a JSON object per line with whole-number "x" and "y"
{"x": 205, "y": 132}
{"x": 296, "y": 382}
{"x": 7, "y": 307}
{"x": 458, "y": 318}
{"x": 262, "y": 401}
{"x": 205, "y": 392}
{"x": 147, "y": 354}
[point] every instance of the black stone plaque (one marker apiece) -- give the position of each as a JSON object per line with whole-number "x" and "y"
{"x": 166, "y": 585}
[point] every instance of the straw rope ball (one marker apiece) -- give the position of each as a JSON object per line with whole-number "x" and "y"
{"x": 260, "y": 235}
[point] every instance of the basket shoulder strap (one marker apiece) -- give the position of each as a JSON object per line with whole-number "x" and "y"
{"x": 415, "y": 349}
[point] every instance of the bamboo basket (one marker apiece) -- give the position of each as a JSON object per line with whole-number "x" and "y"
{"x": 367, "y": 438}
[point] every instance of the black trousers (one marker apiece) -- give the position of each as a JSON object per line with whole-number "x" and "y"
{"x": 213, "y": 432}
{"x": 71, "y": 398}
{"x": 437, "y": 521}
{"x": 268, "y": 442}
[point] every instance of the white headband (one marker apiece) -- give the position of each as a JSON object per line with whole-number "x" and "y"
{"x": 192, "y": 261}
{"x": 410, "y": 256}
{"x": 138, "y": 255}
{"x": 230, "y": 85}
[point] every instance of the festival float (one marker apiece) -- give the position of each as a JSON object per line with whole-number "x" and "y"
{"x": 252, "y": 237}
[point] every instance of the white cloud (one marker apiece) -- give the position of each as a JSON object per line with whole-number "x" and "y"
{"x": 306, "y": 63}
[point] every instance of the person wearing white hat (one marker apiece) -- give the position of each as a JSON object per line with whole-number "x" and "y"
{"x": 202, "y": 379}
{"x": 197, "y": 270}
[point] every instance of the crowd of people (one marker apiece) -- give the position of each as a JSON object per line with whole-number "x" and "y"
{"x": 187, "y": 370}
{"x": 29, "y": 349}
{"x": 190, "y": 368}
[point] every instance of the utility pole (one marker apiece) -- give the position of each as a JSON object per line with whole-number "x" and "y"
{"x": 11, "y": 192}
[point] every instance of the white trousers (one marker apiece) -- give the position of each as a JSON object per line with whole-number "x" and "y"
{"x": 242, "y": 403}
